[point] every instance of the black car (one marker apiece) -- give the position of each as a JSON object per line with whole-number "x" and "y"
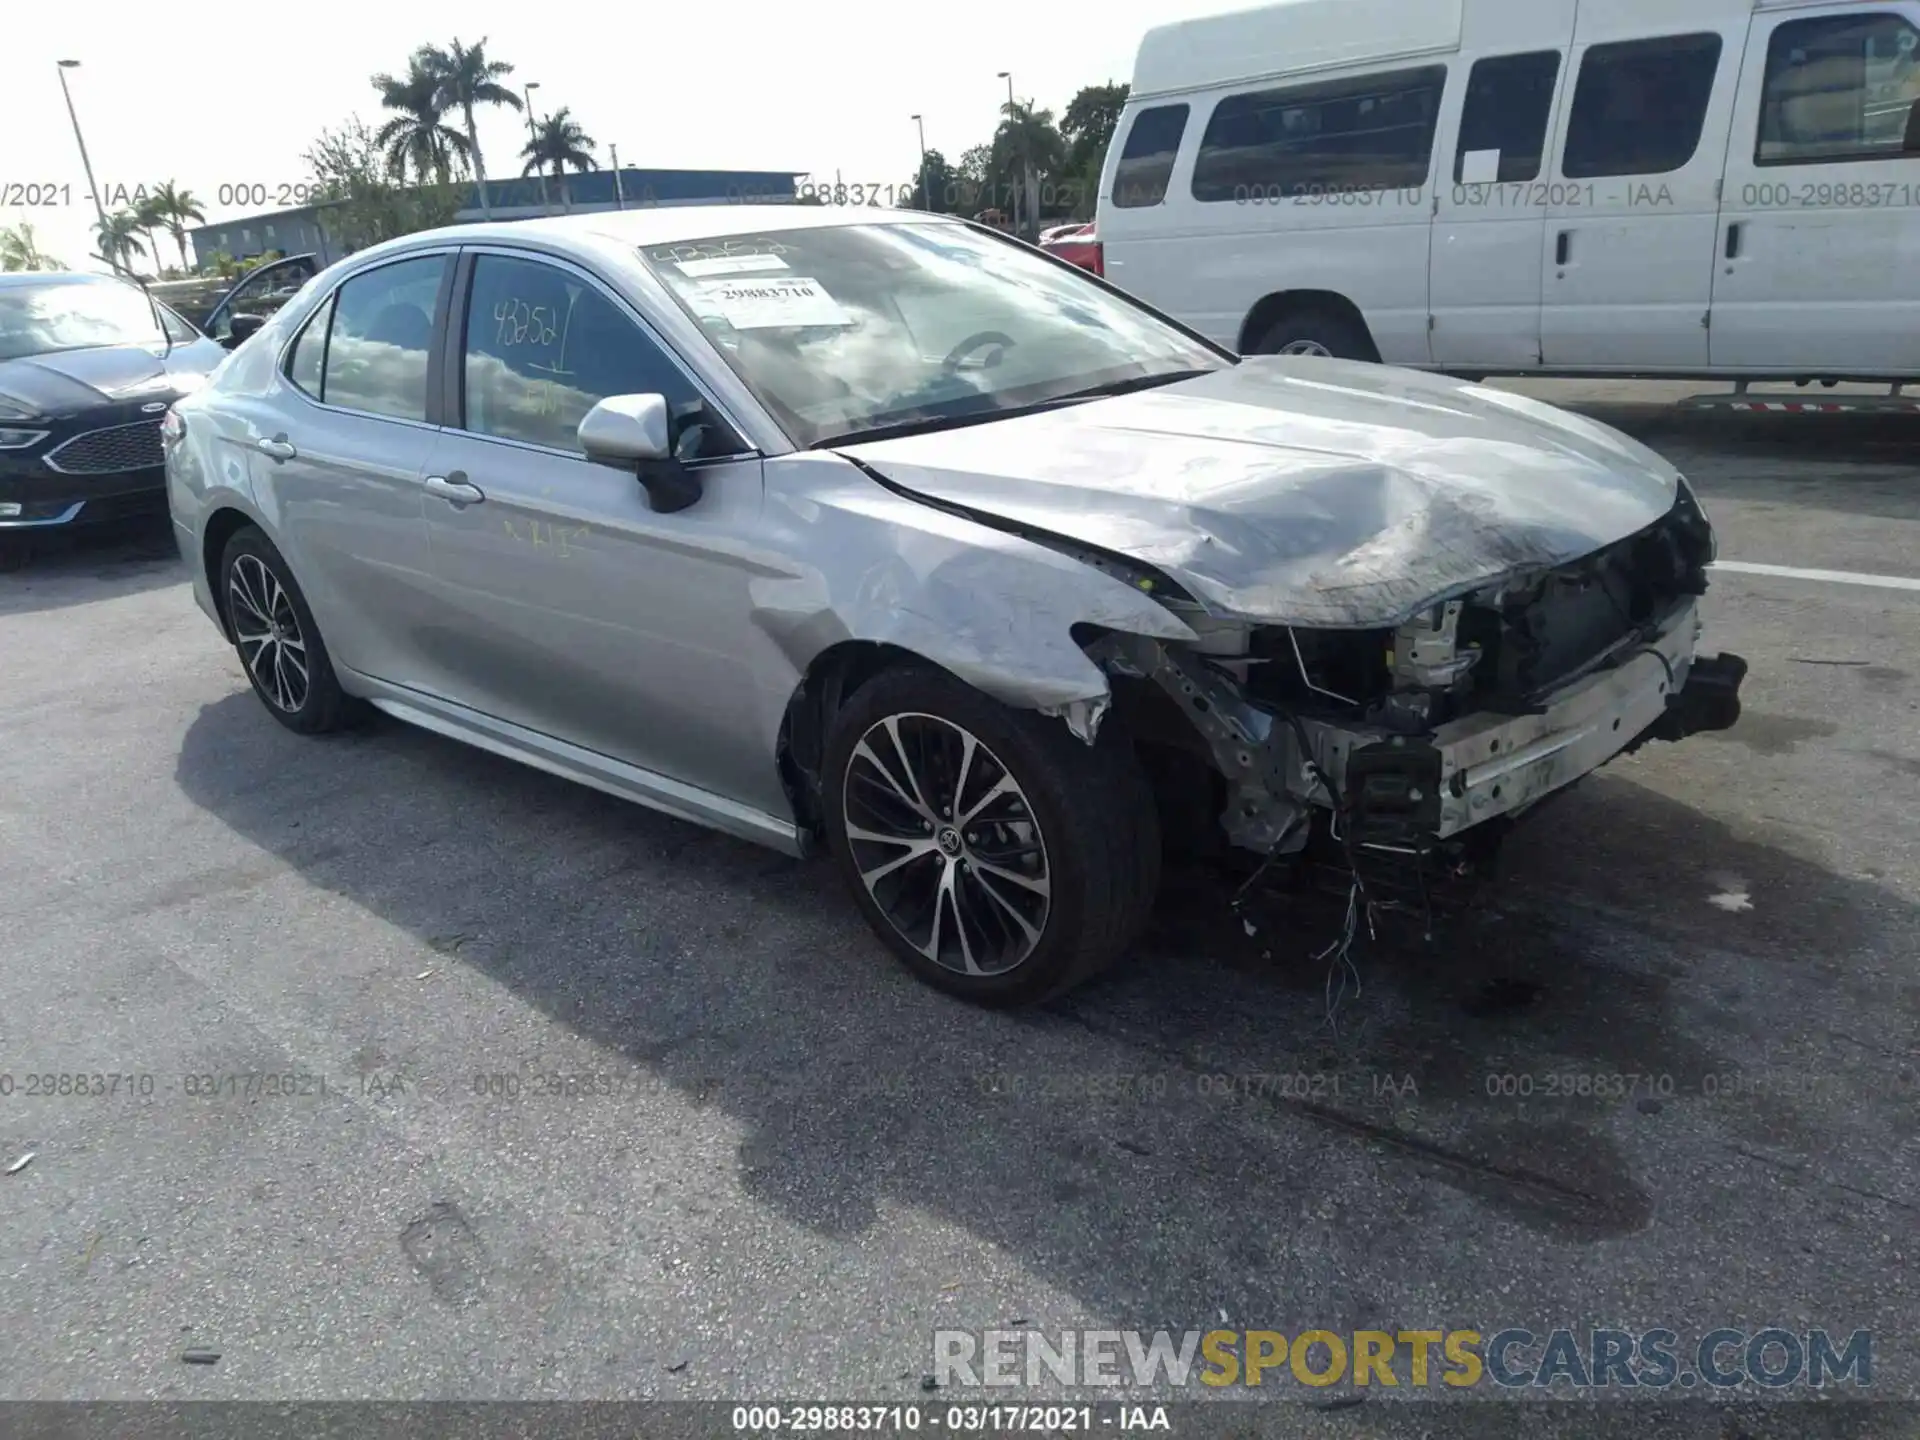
{"x": 88, "y": 366}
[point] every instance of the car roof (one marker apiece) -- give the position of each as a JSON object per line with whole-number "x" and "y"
{"x": 18, "y": 279}
{"x": 669, "y": 224}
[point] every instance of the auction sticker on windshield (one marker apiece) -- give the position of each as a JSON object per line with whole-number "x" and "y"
{"x": 773, "y": 303}
{"x": 731, "y": 265}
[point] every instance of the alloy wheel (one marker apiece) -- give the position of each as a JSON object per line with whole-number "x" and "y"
{"x": 267, "y": 630}
{"x": 947, "y": 844}
{"x": 1305, "y": 347}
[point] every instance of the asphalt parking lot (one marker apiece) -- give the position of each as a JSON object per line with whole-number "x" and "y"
{"x": 788, "y": 1164}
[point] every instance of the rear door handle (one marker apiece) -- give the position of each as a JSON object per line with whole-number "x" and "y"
{"x": 455, "y": 488}
{"x": 1563, "y": 247}
{"x": 279, "y": 447}
{"x": 1733, "y": 241}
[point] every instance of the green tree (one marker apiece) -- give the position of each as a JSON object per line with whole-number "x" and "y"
{"x": 361, "y": 201}
{"x": 174, "y": 207}
{"x": 558, "y": 141}
{"x": 20, "y": 250}
{"x": 467, "y": 79}
{"x": 1088, "y": 126}
{"x": 936, "y": 187}
{"x": 119, "y": 238}
{"x": 149, "y": 219}
{"x": 416, "y": 135}
{"x": 973, "y": 180}
{"x": 1028, "y": 137}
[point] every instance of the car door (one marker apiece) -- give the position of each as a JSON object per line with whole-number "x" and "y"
{"x": 1489, "y": 220}
{"x": 1819, "y": 225}
{"x": 1628, "y": 246}
{"x": 260, "y": 292}
{"x": 584, "y": 614}
{"x": 339, "y": 457}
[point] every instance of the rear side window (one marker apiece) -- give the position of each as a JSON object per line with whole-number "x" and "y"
{"x": 309, "y": 355}
{"x": 1373, "y": 133}
{"x": 1146, "y": 163}
{"x": 1640, "y": 106}
{"x": 382, "y": 331}
{"x": 1840, "y": 88}
{"x": 1509, "y": 101}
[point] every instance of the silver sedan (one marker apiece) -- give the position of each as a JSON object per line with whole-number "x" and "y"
{"x": 884, "y": 530}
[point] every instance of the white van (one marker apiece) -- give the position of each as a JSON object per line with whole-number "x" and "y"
{"x": 1578, "y": 187}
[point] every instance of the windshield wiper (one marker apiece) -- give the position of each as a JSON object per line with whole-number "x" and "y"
{"x": 976, "y": 417}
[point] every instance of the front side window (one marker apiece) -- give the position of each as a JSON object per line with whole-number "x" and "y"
{"x": 1373, "y": 133}
{"x": 848, "y": 329}
{"x": 1509, "y": 102}
{"x": 1840, "y": 88}
{"x": 1146, "y": 161}
{"x": 544, "y": 347}
{"x": 1640, "y": 106}
{"x": 382, "y": 331}
{"x": 74, "y": 315}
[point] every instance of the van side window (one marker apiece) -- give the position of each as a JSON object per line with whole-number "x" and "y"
{"x": 1509, "y": 101}
{"x": 1640, "y": 106}
{"x": 1373, "y": 133}
{"x": 1146, "y": 164}
{"x": 1839, "y": 88}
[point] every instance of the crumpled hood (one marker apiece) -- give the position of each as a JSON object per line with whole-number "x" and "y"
{"x": 1303, "y": 490}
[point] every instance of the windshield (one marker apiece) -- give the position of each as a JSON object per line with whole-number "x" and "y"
{"x": 39, "y": 319}
{"x": 845, "y": 330}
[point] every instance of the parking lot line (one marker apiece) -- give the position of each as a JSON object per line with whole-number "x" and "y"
{"x": 1831, "y": 577}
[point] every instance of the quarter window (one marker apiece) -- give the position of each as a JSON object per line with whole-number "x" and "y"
{"x": 304, "y": 365}
{"x": 382, "y": 331}
{"x": 543, "y": 347}
{"x": 1509, "y": 101}
{"x": 1146, "y": 163}
{"x": 1640, "y": 106}
{"x": 1840, "y": 88}
{"x": 1374, "y": 133}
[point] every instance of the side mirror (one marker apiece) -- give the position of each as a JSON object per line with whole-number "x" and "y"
{"x": 634, "y": 432}
{"x": 242, "y": 327}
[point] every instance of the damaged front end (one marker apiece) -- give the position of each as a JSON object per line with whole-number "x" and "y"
{"x": 1394, "y": 744}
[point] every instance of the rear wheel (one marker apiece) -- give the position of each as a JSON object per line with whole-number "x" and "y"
{"x": 279, "y": 644}
{"x": 1317, "y": 332}
{"x": 1003, "y": 860}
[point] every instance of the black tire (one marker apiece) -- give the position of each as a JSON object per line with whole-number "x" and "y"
{"x": 322, "y": 706}
{"x": 1097, "y": 831}
{"x": 1338, "y": 335}
{"x": 15, "y": 551}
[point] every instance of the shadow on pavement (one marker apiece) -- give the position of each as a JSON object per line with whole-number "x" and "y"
{"x": 102, "y": 562}
{"x": 1119, "y": 1142}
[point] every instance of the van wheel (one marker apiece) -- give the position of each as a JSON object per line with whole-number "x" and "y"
{"x": 1317, "y": 332}
{"x": 1003, "y": 860}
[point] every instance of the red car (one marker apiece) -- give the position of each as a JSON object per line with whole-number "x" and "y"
{"x": 1076, "y": 245}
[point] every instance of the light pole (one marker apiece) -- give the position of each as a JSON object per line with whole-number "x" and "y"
{"x": 92, "y": 188}
{"x": 926, "y": 200}
{"x": 534, "y": 136}
{"x": 1026, "y": 166}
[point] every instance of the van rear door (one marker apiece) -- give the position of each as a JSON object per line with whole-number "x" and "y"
{"x": 1633, "y": 211}
{"x": 1820, "y": 215}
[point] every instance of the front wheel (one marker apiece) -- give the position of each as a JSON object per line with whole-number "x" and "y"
{"x": 1003, "y": 860}
{"x": 1317, "y": 332}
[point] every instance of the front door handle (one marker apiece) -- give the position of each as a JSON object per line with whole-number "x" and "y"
{"x": 455, "y": 488}
{"x": 279, "y": 447}
{"x": 1563, "y": 247}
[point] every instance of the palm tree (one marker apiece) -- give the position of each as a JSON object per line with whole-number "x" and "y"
{"x": 20, "y": 250}
{"x": 417, "y": 134}
{"x": 176, "y": 207}
{"x": 149, "y": 218}
{"x": 559, "y": 142}
{"x": 468, "y": 78}
{"x": 119, "y": 237}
